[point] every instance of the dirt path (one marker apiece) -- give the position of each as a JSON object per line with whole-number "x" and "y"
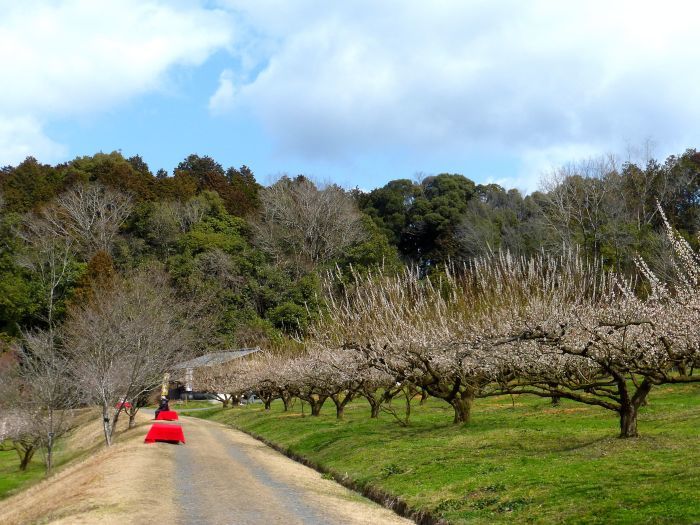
{"x": 227, "y": 477}
{"x": 220, "y": 477}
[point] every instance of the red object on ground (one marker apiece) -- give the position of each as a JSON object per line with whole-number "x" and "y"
{"x": 126, "y": 405}
{"x": 167, "y": 415}
{"x": 165, "y": 432}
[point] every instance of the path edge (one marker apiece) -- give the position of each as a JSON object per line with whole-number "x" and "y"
{"x": 383, "y": 498}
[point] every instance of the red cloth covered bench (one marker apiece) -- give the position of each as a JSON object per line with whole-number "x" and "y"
{"x": 126, "y": 405}
{"x": 165, "y": 432}
{"x": 167, "y": 415}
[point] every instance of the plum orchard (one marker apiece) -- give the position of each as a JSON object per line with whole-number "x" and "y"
{"x": 550, "y": 326}
{"x": 612, "y": 350}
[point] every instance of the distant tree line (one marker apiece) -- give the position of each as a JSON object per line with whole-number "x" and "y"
{"x": 217, "y": 233}
{"x": 606, "y": 208}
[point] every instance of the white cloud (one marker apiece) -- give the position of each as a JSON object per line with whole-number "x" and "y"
{"x": 60, "y": 59}
{"x": 537, "y": 163}
{"x": 539, "y": 79}
{"x": 223, "y": 100}
{"x": 21, "y": 137}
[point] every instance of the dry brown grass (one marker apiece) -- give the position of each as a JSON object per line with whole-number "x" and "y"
{"x": 124, "y": 483}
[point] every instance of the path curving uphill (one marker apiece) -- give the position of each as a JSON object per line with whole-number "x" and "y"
{"x": 225, "y": 477}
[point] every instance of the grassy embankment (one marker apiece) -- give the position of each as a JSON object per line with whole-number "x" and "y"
{"x": 12, "y": 479}
{"x": 69, "y": 449}
{"x": 521, "y": 462}
{"x": 129, "y": 482}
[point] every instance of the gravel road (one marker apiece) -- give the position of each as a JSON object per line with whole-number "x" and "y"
{"x": 225, "y": 477}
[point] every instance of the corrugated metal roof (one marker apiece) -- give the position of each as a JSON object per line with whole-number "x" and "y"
{"x": 215, "y": 358}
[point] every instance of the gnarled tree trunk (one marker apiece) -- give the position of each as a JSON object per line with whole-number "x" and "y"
{"x": 462, "y": 405}
{"x": 629, "y": 409}
{"x": 340, "y": 403}
{"x": 423, "y": 396}
{"x": 286, "y": 400}
{"x": 628, "y": 422}
{"x": 316, "y": 404}
{"x": 375, "y": 406}
{"x": 25, "y": 451}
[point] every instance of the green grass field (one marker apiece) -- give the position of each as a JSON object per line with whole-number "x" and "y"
{"x": 13, "y": 480}
{"x": 521, "y": 462}
{"x": 184, "y": 405}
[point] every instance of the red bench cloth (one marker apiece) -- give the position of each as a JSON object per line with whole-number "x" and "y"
{"x": 167, "y": 415}
{"x": 165, "y": 432}
{"x": 126, "y": 405}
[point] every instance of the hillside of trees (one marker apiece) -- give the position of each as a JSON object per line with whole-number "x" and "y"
{"x": 255, "y": 255}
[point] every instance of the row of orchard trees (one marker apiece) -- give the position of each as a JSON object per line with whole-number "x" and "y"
{"x": 553, "y": 327}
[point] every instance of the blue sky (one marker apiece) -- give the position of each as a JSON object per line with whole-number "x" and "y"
{"x": 357, "y": 92}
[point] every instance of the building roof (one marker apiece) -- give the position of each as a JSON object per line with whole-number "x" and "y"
{"x": 215, "y": 358}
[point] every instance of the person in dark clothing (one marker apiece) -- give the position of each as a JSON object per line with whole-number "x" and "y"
{"x": 163, "y": 407}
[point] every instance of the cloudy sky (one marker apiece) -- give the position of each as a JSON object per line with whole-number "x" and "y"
{"x": 357, "y": 92}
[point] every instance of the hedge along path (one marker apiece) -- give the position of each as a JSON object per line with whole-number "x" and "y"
{"x": 126, "y": 483}
{"x": 227, "y": 477}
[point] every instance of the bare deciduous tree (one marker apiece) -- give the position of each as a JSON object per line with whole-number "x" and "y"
{"x": 578, "y": 200}
{"x": 90, "y": 214}
{"x": 302, "y": 226}
{"x": 47, "y": 388}
{"x": 49, "y": 256}
{"x": 169, "y": 219}
{"x": 123, "y": 342}
{"x": 39, "y": 397}
{"x": 16, "y": 422}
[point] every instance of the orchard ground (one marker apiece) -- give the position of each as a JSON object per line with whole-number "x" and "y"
{"x": 67, "y": 450}
{"x": 520, "y": 460}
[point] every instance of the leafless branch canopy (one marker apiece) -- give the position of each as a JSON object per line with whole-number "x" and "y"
{"x": 89, "y": 214}
{"x": 303, "y": 225}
